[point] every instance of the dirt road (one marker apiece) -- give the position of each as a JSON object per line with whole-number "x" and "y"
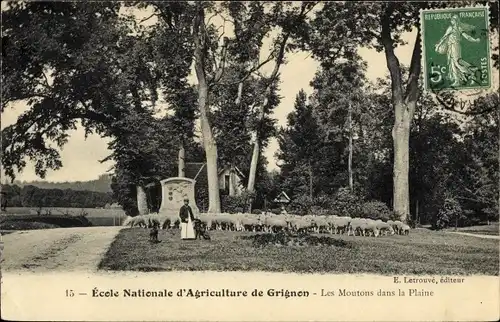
{"x": 60, "y": 249}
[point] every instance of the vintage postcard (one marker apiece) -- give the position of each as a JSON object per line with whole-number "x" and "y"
{"x": 249, "y": 161}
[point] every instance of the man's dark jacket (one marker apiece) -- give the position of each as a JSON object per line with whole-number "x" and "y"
{"x": 185, "y": 212}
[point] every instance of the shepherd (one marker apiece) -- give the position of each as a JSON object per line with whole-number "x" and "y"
{"x": 187, "y": 218}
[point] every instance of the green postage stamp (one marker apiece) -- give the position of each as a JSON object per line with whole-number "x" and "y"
{"x": 456, "y": 48}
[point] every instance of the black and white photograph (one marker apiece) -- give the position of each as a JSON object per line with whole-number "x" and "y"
{"x": 294, "y": 137}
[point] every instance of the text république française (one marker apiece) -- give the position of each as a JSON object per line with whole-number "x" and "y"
{"x": 195, "y": 293}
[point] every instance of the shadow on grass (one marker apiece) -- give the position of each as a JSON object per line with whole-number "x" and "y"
{"x": 287, "y": 239}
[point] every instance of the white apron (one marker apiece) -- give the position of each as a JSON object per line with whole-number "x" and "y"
{"x": 187, "y": 229}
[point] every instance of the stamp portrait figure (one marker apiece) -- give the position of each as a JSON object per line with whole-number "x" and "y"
{"x": 450, "y": 44}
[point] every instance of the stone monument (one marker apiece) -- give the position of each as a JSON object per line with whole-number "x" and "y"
{"x": 174, "y": 190}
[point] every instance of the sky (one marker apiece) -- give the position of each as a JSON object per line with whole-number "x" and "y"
{"x": 80, "y": 156}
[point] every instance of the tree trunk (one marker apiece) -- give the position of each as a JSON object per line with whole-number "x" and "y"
{"x": 253, "y": 171}
{"x": 279, "y": 60}
{"x": 182, "y": 165}
{"x": 142, "y": 201}
{"x": 253, "y": 165}
{"x": 351, "y": 184}
{"x": 416, "y": 214}
{"x": 311, "y": 181}
{"x": 401, "y": 137}
{"x": 209, "y": 144}
{"x": 1, "y": 165}
{"x": 404, "y": 102}
{"x": 210, "y": 147}
{"x": 267, "y": 93}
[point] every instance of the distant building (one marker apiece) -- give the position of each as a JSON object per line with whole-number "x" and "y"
{"x": 230, "y": 178}
{"x": 282, "y": 198}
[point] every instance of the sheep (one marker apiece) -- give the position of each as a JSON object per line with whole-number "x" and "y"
{"x": 385, "y": 228}
{"x": 154, "y": 220}
{"x": 275, "y": 224}
{"x": 250, "y": 223}
{"x": 218, "y": 221}
{"x": 405, "y": 230}
{"x": 398, "y": 226}
{"x": 225, "y": 221}
{"x": 340, "y": 225}
{"x": 301, "y": 225}
{"x": 288, "y": 218}
{"x": 370, "y": 228}
{"x": 321, "y": 224}
{"x": 141, "y": 221}
{"x": 127, "y": 220}
{"x": 206, "y": 220}
{"x": 356, "y": 225}
{"x": 171, "y": 221}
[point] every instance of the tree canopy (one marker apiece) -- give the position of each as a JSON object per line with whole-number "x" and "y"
{"x": 96, "y": 65}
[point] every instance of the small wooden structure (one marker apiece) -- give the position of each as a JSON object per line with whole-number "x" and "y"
{"x": 282, "y": 199}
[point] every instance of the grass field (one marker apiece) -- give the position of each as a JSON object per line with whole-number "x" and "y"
{"x": 492, "y": 229}
{"x": 97, "y": 216}
{"x": 422, "y": 252}
{"x": 91, "y": 212}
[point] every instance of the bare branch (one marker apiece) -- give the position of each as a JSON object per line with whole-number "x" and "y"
{"x": 222, "y": 64}
{"x": 210, "y": 18}
{"x": 147, "y": 18}
{"x": 167, "y": 17}
{"x": 222, "y": 33}
{"x": 240, "y": 94}
{"x": 415, "y": 67}
{"x": 252, "y": 70}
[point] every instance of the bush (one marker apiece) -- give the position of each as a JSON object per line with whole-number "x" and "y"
{"x": 450, "y": 213}
{"x": 491, "y": 214}
{"x": 346, "y": 203}
{"x": 201, "y": 197}
{"x": 256, "y": 211}
{"x": 276, "y": 211}
{"x": 294, "y": 240}
{"x": 411, "y": 222}
{"x": 58, "y": 220}
{"x": 441, "y": 221}
{"x": 301, "y": 205}
{"x": 375, "y": 210}
{"x": 25, "y": 225}
{"x": 233, "y": 204}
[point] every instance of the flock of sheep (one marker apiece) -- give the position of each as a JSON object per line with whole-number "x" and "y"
{"x": 271, "y": 223}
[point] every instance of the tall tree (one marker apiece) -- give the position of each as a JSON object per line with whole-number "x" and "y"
{"x": 299, "y": 146}
{"x": 93, "y": 67}
{"x": 209, "y": 49}
{"x": 339, "y": 94}
{"x": 339, "y": 28}
{"x": 291, "y": 23}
